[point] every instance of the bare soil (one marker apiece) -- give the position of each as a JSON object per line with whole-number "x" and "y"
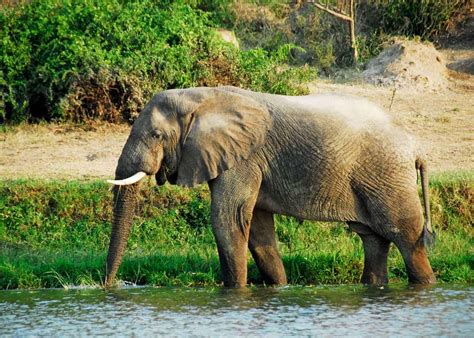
{"x": 443, "y": 120}
{"x": 61, "y": 151}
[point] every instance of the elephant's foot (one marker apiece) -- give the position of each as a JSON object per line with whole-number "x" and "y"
{"x": 375, "y": 259}
{"x": 270, "y": 265}
{"x": 234, "y": 284}
{"x": 234, "y": 269}
{"x": 370, "y": 278}
{"x": 418, "y": 267}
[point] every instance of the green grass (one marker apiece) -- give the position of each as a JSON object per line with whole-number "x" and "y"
{"x": 55, "y": 234}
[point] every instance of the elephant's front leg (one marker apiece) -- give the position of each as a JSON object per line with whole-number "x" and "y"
{"x": 263, "y": 245}
{"x": 233, "y": 197}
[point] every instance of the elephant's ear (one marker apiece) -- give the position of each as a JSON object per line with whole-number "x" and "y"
{"x": 224, "y": 129}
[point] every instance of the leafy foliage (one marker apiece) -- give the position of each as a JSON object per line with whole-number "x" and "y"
{"x": 423, "y": 18}
{"x": 379, "y": 20}
{"x": 315, "y": 35}
{"x": 323, "y": 39}
{"x": 104, "y": 59}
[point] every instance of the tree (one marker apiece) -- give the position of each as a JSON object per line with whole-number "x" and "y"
{"x": 344, "y": 10}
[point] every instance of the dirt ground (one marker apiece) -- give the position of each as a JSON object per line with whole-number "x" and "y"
{"x": 442, "y": 120}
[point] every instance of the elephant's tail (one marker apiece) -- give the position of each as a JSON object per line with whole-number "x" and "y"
{"x": 429, "y": 236}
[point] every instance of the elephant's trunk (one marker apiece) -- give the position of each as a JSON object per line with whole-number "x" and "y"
{"x": 135, "y": 162}
{"x": 124, "y": 210}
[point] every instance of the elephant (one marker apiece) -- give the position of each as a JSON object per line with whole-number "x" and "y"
{"x": 324, "y": 157}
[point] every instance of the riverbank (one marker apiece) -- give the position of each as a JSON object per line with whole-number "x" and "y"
{"x": 56, "y": 233}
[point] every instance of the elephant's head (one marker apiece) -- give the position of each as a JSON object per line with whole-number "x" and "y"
{"x": 185, "y": 137}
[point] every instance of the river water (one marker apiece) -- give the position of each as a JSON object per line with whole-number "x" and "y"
{"x": 396, "y": 310}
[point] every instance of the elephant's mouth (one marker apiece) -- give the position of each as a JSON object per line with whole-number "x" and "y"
{"x": 160, "y": 176}
{"x": 163, "y": 176}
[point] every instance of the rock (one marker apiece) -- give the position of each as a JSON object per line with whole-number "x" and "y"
{"x": 228, "y": 36}
{"x": 463, "y": 66}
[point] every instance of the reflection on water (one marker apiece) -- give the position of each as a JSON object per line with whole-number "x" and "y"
{"x": 342, "y": 310}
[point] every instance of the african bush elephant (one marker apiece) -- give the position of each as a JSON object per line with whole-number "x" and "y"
{"x": 325, "y": 157}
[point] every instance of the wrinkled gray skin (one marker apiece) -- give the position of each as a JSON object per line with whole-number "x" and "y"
{"x": 324, "y": 157}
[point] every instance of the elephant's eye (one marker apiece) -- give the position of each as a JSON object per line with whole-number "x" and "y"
{"x": 157, "y": 135}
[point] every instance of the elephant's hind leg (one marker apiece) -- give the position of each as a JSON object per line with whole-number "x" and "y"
{"x": 417, "y": 264}
{"x": 263, "y": 246}
{"x": 375, "y": 255}
{"x": 404, "y": 226}
{"x": 416, "y": 260}
{"x": 375, "y": 259}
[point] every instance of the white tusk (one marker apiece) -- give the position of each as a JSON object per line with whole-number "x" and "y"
{"x": 130, "y": 180}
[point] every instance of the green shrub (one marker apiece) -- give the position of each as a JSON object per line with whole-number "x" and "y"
{"x": 104, "y": 59}
{"x": 270, "y": 24}
{"x": 423, "y": 18}
{"x": 370, "y": 45}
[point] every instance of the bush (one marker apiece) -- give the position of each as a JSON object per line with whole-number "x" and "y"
{"x": 424, "y": 18}
{"x": 269, "y": 24}
{"x": 103, "y": 60}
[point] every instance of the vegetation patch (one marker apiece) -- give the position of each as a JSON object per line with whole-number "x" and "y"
{"x": 324, "y": 39}
{"x": 56, "y": 234}
{"x": 104, "y": 60}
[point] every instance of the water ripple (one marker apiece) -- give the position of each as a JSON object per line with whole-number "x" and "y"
{"x": 291, "y": 311}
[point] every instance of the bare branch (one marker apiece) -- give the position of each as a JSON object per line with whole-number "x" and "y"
{"x": 330, "y": 11}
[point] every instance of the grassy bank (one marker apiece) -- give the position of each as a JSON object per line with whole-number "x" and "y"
{"x": 56, "y": 234}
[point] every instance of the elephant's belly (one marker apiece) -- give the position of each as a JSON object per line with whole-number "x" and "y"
{"x": 319, "y": 203}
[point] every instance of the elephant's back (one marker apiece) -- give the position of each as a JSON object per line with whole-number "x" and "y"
{"x": 349, "y": 127}
{"x": 348, "y": 111}
{"x": 349, "y": 122}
